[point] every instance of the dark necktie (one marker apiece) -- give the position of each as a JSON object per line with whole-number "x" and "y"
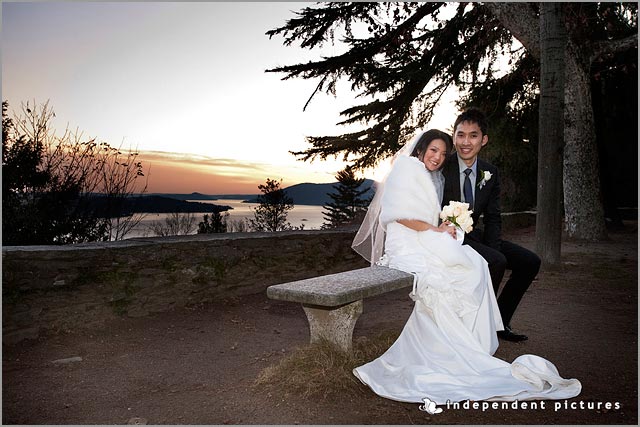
{"x": 468, "y": 192}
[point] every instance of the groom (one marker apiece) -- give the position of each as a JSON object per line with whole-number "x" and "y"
{"x": 474, "y": 181}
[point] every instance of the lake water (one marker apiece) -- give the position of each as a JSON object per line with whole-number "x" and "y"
{"x": 309, "y": 215}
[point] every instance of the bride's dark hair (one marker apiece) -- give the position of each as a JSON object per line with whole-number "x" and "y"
{"x": 427, "y": 137}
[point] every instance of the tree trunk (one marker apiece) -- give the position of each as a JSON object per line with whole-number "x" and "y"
{"x": 584, "y": 214}
{"x": 553, "y": 43}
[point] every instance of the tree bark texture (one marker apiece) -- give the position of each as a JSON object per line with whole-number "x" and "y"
{"x": 553, "y": 43}
{"x": 584, "y": 212}
{"x": 521, "y": 21}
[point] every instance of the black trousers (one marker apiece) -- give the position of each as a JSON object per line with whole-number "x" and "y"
{"x": 524, "y": 266}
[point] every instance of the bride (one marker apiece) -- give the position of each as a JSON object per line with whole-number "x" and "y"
{"x": 445, "y": 351}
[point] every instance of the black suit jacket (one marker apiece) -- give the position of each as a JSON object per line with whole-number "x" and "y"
{"x": 486, "y": 201}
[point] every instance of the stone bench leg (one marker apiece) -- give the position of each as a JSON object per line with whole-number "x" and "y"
{"x": 334, "y": 324}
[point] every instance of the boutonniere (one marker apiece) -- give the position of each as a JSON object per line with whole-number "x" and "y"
{"x": 486, "y": 176}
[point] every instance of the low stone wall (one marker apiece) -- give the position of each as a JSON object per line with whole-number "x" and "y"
{"x": 77, "y": 286}
{"x": 82, "y": 286}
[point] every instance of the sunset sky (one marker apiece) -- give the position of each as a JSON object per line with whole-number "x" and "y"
{"x": 184, "y": 83}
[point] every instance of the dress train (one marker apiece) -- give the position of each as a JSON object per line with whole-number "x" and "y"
{"x": 445, "y": 350}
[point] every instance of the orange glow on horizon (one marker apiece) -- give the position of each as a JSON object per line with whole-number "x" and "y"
{"x": 182, "y": 173}
{"x": 173, "y": 175}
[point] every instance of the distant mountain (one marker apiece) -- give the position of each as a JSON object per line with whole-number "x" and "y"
{"x": 192, "y": 196}
{"x": 200, "y": 196}
{"x": 235, "y": 196}
{"x": 157, "y": 204}
{"x": 316, "y": 194}
{"x": 302, "y": 194}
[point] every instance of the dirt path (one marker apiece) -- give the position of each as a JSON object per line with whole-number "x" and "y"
{"x": 196, "y": 366}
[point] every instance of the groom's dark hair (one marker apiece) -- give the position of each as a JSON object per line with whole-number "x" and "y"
{"x": 473, "y": 115}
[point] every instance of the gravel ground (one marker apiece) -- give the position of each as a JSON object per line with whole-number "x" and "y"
{"x": 197, "y": 365}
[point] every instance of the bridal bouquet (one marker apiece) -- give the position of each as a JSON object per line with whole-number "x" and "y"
{"x": 458, "y": 214}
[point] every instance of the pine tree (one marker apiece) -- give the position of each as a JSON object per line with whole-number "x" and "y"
{"x": 217, "y": 223}
{"x": 271, "y": 214}
{"x": 347, "y": 201}
{"x": 412, "y": 52}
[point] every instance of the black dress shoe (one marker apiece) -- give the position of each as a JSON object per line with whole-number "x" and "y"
{"x": 509, "y": 335}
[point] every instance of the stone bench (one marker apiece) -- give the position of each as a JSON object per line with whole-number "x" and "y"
{"x": 333, "y": 302}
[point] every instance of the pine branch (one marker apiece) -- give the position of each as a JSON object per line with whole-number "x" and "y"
{"x": 612, "y": 47}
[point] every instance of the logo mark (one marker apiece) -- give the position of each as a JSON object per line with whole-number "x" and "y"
{"x": 429, "y": 406}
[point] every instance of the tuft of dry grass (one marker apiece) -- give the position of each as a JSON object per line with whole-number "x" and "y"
{"x": 321, "y": 369}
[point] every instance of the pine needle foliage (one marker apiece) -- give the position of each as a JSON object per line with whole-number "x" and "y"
{"x": 274, "y": 204}
{"x": 401, "y": 66}
{"x": 347, "y": 202}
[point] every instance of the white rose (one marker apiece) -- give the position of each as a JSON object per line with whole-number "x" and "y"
{"x": 487, "y": 175}
{"x": 465, "y": 221}
{"x": 464, "y": 216}
{"x": 447, "y": 211}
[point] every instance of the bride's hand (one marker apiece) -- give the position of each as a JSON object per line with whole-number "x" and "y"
{"x": 445, "y": 227}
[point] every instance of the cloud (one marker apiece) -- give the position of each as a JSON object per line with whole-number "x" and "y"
{"x": 185, "y": 173}
{"x": 171, "y": 172}
{"x": 199, "y": 161}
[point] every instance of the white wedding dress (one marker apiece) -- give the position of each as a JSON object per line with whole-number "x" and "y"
{"x": 445, "y": 350}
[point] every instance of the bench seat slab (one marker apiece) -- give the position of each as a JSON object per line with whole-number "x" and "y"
{"x": 342, "y": 288}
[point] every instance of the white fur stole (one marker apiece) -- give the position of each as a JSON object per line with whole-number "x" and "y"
{"x": 409, "y": 193}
